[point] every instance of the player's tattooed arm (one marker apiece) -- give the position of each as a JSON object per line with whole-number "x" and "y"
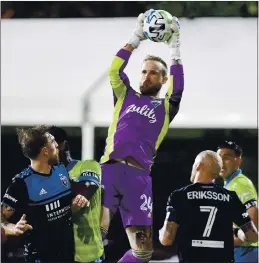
{"x": 253, "y": 213}
{"x": 6, "y": 213}
{"x": 250, "y": 232}
{"x": 167, "y": 233}
{"x": 13, "y": 229}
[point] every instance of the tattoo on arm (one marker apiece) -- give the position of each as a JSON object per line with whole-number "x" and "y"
{"x": 168, "y": 233}
{"x": 143, "y": 234}
{"x": 4, "y": 221}
{"x": 250, "y": 231}
{"x": 248, "y": 227}
{"x": 140, "y": 237}
{"x": 170, "y": 230}
{"x": 6, "y": 212}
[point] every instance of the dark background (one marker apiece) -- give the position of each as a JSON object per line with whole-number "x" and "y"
{"x": 74, "y": 9}
{"x": 171, "y": 170}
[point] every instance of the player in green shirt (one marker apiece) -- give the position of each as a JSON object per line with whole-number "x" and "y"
{"x": 231, "y": 154}
{"x": 87, "y": 234}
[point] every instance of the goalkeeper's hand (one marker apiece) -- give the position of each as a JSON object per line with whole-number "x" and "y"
{"x": 174, "y": 41}
{"x": 138, "y": 34}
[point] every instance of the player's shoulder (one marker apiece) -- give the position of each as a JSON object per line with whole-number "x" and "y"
{"x": 60, "y": 167}
{"x": 186, "y": 188}
{"x": 90, "y": 162}
{"x": 91, "y": 165}
{"x": 178, "y": 192}
{"x": 23, "y": 175}
{"x": 232, "y": 193}
{"x": 176, "y": 196}
{"x": 242, "y": 180}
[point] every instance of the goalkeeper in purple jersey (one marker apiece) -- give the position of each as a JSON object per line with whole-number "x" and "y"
{"x": 140, "y": 123}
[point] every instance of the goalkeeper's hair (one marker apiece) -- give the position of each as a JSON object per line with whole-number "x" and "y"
{"x": 155, "y": 58}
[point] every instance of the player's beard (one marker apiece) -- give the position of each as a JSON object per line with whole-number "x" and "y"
{"x": 150, "y": 91}
{"x": 54, "y": 160}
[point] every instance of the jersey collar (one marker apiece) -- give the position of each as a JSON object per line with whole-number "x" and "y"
{"x": 232, "y": 176}
{"x": 42, "y": 174}
{"x": 71, "y": 165}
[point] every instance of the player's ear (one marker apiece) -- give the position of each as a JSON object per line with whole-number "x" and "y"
{"x": 44, "y": 151}
{"x": 165, "y": 78}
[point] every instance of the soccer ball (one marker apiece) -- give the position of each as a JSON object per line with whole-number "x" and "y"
{"x": 157, "y": 25}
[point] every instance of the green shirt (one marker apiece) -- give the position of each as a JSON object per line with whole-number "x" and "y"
{"x": 246, "y": 192}
{"x": 88, "y": 238}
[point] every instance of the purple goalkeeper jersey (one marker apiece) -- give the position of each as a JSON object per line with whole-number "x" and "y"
{"x": 140, "y": 122}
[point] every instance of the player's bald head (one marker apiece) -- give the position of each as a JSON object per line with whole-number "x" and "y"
{"x": 209, "y": 163}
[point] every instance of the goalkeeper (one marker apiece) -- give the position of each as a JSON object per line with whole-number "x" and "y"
{"x": 140, "y": 123}
{"x": 88, "y": 239}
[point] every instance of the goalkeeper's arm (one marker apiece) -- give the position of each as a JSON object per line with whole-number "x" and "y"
{"x": 174, "y": 93}
{"x": 118, "y": 79}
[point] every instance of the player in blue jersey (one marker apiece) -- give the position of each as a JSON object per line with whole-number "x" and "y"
{"x": 141, "y": 121}
{"x": 202, "y": 215}
{"x": 42, "y": 194}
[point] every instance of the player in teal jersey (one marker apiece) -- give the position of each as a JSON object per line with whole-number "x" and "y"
{"x": 88, "y": 239}
{"x": 235, "y": 180}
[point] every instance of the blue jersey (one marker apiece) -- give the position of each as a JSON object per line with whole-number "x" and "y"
{"x": 46, "y": 200}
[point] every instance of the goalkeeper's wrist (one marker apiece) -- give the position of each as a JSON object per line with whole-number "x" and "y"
{"x": 175, "y": 54}
{"x": 176, "y": 62}
{"x": 134, "y": 41}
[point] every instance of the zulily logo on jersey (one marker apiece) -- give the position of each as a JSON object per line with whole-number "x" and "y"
{"x": 144, "y": 110}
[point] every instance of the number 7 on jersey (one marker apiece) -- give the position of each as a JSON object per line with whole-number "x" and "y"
{"x": 212, "y": 215}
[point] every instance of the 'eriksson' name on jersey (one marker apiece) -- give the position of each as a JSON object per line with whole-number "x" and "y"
{"x": 208, "y": 195}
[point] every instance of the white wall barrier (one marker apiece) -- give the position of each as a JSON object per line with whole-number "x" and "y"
{"x": 48, "y": 66}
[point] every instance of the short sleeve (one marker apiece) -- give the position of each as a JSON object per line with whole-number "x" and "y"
{"x": 16, "y": 195}
{"x": 240, "y": 216}
{"x": 91, "y": 172}
{"x": 171, "y": 208}
{"x": 245, "y": 193}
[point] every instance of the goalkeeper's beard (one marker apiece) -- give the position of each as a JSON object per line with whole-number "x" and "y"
{"x": 150, "y": 91}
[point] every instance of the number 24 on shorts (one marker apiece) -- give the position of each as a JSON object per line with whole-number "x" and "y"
{"x": 147, "y": 204}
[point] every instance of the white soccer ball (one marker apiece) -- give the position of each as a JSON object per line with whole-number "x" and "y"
{"x": 157, "y": 25}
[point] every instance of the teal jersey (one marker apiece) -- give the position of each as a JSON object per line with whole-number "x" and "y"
{"x": 246, "y": 192}
{"x": 88, "y": 238}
